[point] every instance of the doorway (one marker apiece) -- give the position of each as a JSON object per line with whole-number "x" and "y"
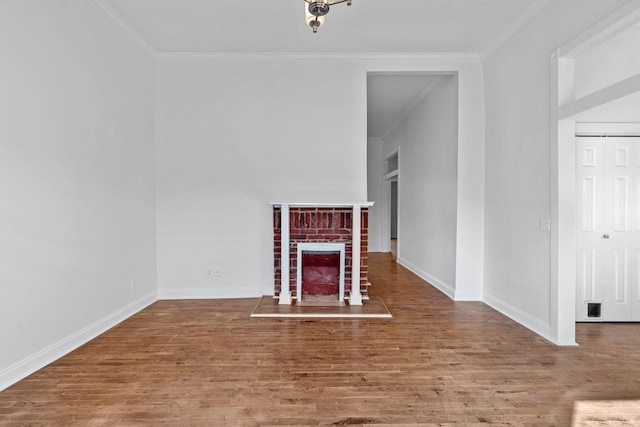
{"x": 394, "y": 219}
{"x": 392, "y": 97}
{"x": 440, "y": 156}
{"x": 392, "y": 169}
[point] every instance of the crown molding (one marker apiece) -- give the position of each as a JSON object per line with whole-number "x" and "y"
{"x": 515, "y": 26}
{"x": 379, "y": 57}
{"x": 621, "y": 19}
{"x": 114, "y": 18}
{"x": 311, "y": 57}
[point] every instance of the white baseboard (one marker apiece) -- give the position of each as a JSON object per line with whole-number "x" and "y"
{"x": 468, "y": 296}
{"x": 39, "y": 360}
{"x": 536, "y": 325}
{"x": 434, "y": 281}
{"x": 209, "y": 293}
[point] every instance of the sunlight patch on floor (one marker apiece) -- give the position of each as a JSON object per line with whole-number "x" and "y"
{"x": 593, "y": 413}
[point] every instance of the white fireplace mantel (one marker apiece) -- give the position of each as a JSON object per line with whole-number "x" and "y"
{"x": 322, "y": 204}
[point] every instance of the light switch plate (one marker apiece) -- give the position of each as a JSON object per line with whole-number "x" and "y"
{"x": 545, "y": 224}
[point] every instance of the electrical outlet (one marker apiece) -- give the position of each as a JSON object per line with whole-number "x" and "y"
{"x": 133, "y": 285}
{"x": 210, "y": 273}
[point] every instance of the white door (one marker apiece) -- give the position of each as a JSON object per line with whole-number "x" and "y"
{"x": 608, "y": 235}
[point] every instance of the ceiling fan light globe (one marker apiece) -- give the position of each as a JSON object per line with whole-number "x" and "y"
{"x": 313, "y": 21}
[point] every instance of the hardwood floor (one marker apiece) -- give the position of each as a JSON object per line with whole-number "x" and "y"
{"x": 394, "y": 248}
{"x": 437, "y": 362}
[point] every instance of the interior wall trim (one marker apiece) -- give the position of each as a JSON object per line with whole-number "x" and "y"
{"x": 388, "y": 57}
{"x": 446, "y": 289}
{"x": 116, "y": 20}
{"x": 42, "y": 358}
{"x": 621, "y": 19}
{"x": 227, "y": 292}
{"x": 515, "y": 26}
{"x": 380, "y": 57}
{"x": 534, "y": 324}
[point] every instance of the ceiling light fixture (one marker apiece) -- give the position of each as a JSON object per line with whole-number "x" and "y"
{"x": 315, "y": 10}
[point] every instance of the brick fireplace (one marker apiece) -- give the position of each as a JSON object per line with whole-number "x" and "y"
{"x": 310, "y": 236}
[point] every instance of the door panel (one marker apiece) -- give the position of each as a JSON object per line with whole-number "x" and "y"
{"x": 608, "y": 235}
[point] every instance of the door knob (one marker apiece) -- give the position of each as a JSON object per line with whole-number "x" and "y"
{"x": 605, "y": 236}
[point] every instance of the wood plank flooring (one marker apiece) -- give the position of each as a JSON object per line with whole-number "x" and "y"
{"x": 437, "y": 362}
{"x": 373, "y": 307}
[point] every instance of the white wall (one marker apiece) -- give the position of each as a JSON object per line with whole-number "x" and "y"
{"x": 375, "y": 173}
{"x": 428, "y": 165}
{"x": 233, "y": 136}
{"x": 517, "y": 183}
{"x": 77, "y": 219}
{"x": 614, "y": 60}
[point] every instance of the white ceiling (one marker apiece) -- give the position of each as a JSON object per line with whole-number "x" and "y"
{"x": 408, "y": 26}
{"x": 368, "y": 26}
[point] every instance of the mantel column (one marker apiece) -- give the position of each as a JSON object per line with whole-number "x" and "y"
{"x": 355, "y": 297}
{"x": 285, "y": 260}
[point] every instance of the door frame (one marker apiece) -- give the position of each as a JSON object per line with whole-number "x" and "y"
{"x": 388, "y": 177}
{"x": 563, "y": 107}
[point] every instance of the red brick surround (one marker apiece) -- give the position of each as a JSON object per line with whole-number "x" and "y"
{"x": 322, "y": 224}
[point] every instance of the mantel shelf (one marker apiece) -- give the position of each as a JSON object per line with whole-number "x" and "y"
{"x": 322, "y": 204}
